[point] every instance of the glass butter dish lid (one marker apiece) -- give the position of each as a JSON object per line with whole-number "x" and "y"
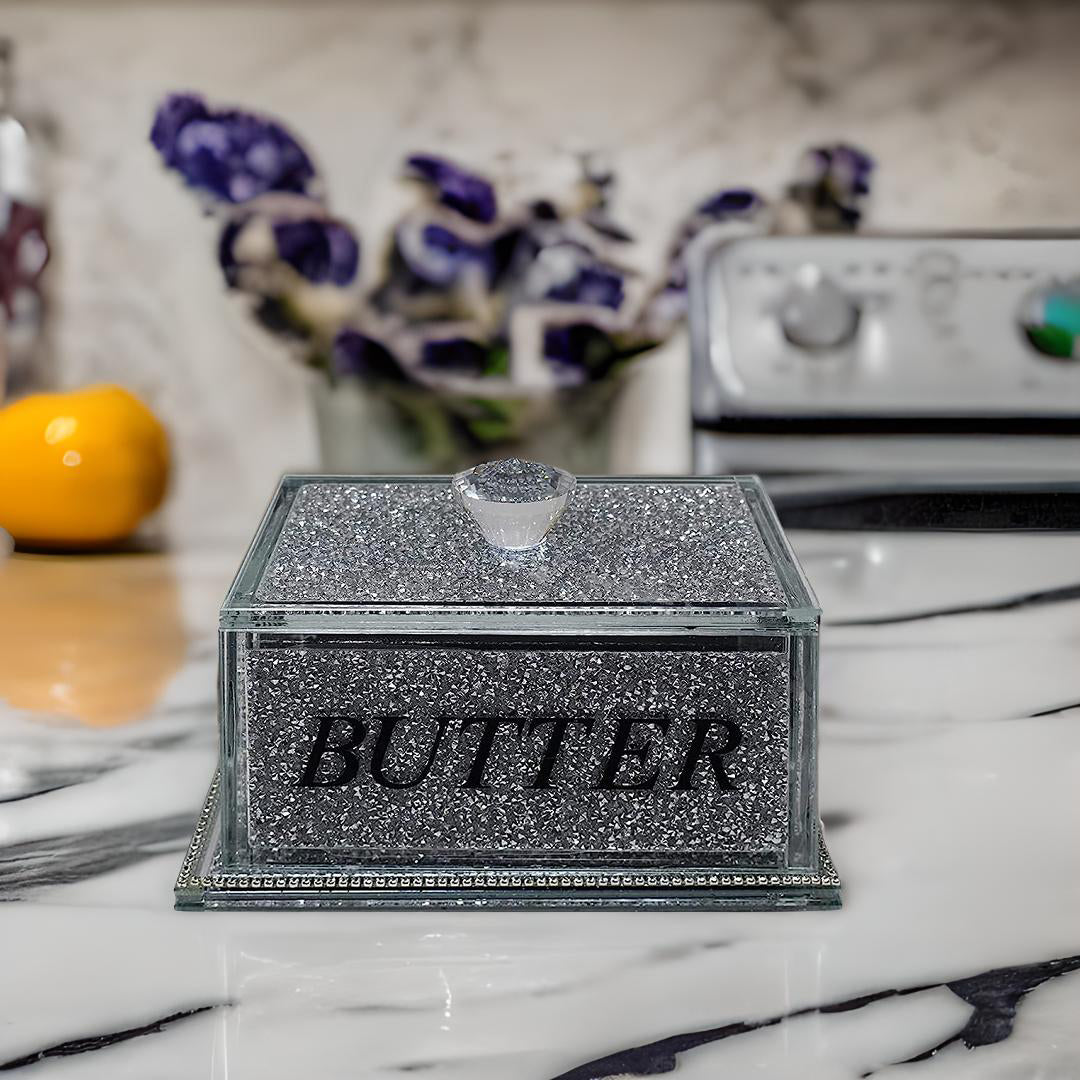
{"x": 354, "y": 549}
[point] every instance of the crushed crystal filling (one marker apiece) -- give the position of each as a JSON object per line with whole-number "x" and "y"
{"x": 617, "y": 543}
{"x": 287, "y": 689}
{"x": 514, "y": 481}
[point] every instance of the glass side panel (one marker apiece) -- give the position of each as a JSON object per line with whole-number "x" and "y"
{"x": 511, "y": 750}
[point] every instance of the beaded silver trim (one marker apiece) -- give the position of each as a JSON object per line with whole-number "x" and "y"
{"x": 344, "y": 884}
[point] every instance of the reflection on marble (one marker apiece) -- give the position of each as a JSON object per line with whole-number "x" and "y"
{"x": 71, "y": 651}
{"x": 968, "y": 107}
{"x": 950, "y": 752}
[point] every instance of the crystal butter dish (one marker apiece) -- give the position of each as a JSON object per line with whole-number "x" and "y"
{"x": 514, "y": 689}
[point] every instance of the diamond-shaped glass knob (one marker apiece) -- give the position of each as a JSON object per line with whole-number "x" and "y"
{"x": 815, "y": 313}
{"x": 514, "y": 503}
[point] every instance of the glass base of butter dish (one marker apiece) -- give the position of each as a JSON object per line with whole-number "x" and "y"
{"x": 204, "y": 884}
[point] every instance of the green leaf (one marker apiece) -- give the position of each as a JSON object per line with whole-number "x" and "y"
{"x": 498, "y": 360}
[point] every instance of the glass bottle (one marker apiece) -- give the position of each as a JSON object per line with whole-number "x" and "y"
{"x": 24, "y": 248}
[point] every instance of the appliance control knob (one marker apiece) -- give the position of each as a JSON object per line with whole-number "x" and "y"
{"x": 815, "y": 312}
{"x": 1050, "y": 318}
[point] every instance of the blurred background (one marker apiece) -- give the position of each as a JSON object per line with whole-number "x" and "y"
{"x": 965, "y": 108}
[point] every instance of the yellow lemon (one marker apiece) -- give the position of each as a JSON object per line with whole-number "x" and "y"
{"x": 80, "y": 469}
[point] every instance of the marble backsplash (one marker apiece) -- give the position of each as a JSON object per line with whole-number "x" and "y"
{"x": 969, "y": 108}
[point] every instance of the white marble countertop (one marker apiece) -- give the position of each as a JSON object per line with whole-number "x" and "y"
{"x": 950, "y": 747}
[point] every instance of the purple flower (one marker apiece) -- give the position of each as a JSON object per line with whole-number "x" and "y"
{"x": 848, "y": 165}
{"x": 727, "y": 205}
{"x": 834, "y": 185}
{"x": 579, "y": 351}
{"x": 463, "y": 191}
{"x": 731, "y": 203}
{"x": 173, "y": 113}
{"x": 437, "y": 255}
{"x": 354, "y": 353}
{"x": 322, "y": 251}
{"x": 564, "y": 270}
{"x": 456, "y": 354}
{"x": 591, "y": 284}
{"x": 230, "y": 154}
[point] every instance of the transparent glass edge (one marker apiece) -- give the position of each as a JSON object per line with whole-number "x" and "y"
{"x": 804, "y": 826}
{"x": 253, "y": 565}
{"x": 234, "y": 780}
{"x": 668, "y": 621}
{"x": 800, "y": 594}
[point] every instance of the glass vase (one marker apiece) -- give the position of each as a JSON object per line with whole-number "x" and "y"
{"x": 383, "y": 427}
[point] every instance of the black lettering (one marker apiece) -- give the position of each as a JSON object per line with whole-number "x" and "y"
{"x": 491, "y": 725}
{"x": 345, "y": 749}
{"x": 382, "y": 744}
{"x": 550, "y": 757}
{"x": 732, "y": 740}
{"x": 626, "y": 747}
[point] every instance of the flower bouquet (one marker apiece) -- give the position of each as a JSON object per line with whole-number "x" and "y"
{"x": 484, "y": 327}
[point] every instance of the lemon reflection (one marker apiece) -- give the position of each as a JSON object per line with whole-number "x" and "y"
{"x": 91, "y": 638}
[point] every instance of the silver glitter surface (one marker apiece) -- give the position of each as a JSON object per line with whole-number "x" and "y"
{"x": 410, "y": 543}
{"x": 291, "y": 685}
